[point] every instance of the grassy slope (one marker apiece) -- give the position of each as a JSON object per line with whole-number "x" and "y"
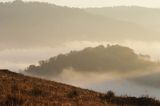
{"x": 20, "y": 90}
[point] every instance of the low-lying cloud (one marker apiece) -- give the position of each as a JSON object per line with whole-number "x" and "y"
{"x": 16, "y": 58}
{"x": 83, "y": 79}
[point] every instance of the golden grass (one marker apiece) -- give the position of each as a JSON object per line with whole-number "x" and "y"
{"x": 20, "y": 90}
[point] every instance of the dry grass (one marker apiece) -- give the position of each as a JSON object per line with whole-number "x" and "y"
{"x": 20, "y": 90}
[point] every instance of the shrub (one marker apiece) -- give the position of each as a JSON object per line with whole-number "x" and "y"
{"x": 109, "y": 95}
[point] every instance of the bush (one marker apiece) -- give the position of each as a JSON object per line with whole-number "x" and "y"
{"x": 107, "y": 96}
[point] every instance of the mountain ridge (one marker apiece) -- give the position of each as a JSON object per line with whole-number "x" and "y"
{"x": 45, "y": 24}
{"x": 143, "y": 16}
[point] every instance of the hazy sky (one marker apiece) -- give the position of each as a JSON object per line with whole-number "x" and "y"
{"x": 101, "y": 3}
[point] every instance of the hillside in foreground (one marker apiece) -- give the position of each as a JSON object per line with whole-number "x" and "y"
{"x": 19, "y": 90}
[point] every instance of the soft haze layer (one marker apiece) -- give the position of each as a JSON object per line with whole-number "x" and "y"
{"x": 101, "y": 3}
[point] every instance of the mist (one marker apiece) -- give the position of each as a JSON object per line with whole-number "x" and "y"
{"x": 121, "y": 84}
{"x": 32, "y": 34}
{"x": 17, "y": 59}
{"x": 103, "y": 80}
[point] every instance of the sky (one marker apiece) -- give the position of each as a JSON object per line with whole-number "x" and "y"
{"x": 101, "y": 3}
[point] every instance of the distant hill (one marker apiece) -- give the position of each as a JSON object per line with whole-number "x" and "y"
{"x": 113, "y": 58}
{"x": 19, "y": 90}
{"x": 37, "y": 24}
{"x": 146, "y": 17}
